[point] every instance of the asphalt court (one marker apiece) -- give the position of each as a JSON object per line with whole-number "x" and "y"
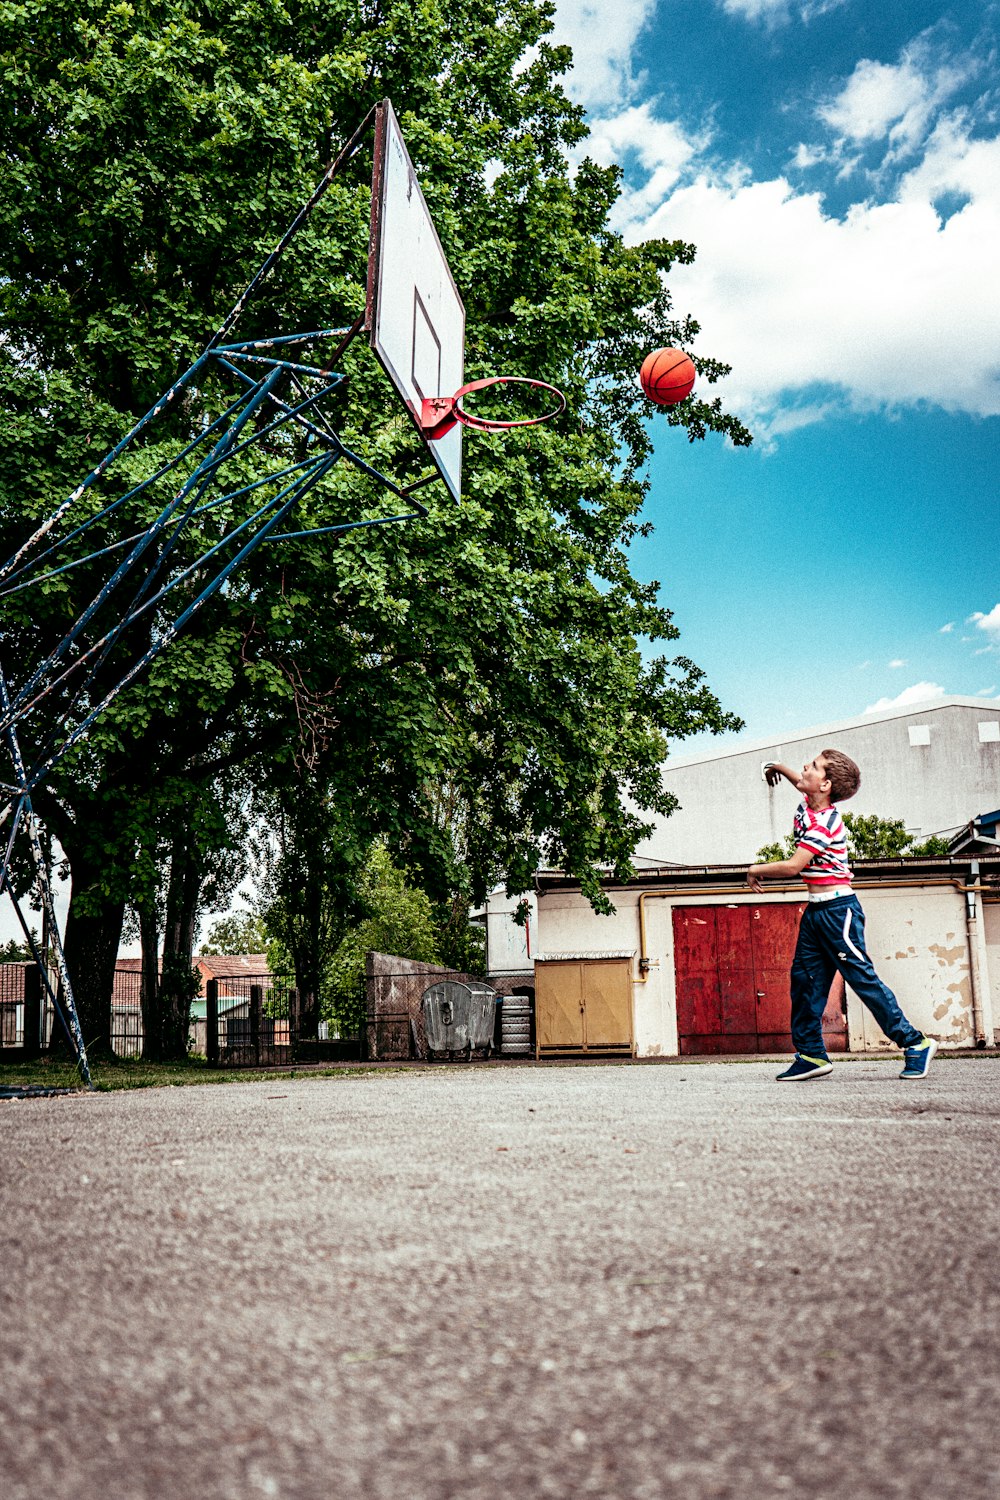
{"x": 502, "y": 1283}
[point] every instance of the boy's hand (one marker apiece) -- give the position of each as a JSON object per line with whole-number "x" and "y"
{"x": 773, "y": 771}
{"x": 753, "y": 880}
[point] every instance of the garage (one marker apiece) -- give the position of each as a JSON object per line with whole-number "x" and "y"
{"x": 732, "y": 964}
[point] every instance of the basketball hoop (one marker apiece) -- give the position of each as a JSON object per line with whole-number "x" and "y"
{"x": 439, "y": 414}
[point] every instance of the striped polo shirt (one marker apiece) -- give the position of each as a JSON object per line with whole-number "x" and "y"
{"x": 824, "y": 835}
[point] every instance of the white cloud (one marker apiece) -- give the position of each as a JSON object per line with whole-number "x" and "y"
{"x": 889, "y": 305}
{"x": 603, "y": 37}
{"x": 659, "y": 148}
{"x": 987, "y": 692}
{"x": 773, "y": 12}
{"x": 895, "y": 102}
{"x": 920, "y": 692}
{"x": 947, "y": 629}
{"x": 990, "y": 622}
{"x": 899, "y": 662}
{"x": 886, "y": 303}
{"x": 757, "y": 10}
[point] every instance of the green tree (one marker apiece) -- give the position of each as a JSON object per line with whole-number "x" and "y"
{"x": 872, "y": 837}
{"x": 769, "y": 854}
{"x": 14, "y": 952}
{"x": 869, "y": 836}
{"x": 153, "y": 153}
{"x": 239, "y": 932}
{"x": 399, "y": 920}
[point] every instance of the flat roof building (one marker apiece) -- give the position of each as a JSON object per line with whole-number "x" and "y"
{"x": 933, "y": 766}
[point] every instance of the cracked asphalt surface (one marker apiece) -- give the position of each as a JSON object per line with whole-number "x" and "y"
{"x": 503, "y": 1283}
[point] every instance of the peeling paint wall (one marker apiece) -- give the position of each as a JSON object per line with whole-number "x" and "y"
{"x": 568, "y": 924}
{"x": 916, "y": 937}
{"x": 917, "y": 941}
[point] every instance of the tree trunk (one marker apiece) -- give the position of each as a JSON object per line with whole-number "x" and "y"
{"x": 93, "y": 935}
{"x": 178, "y": 982}
{"x": 306, "y": 955}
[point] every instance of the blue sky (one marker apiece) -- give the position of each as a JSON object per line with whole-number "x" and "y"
{"x": 838, "y": 167}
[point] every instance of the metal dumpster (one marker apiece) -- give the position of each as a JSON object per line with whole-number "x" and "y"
{"x": 458, "y": 1018}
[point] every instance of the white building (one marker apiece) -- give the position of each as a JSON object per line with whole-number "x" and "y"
{"x": 509, "y": 944}
{"x": 934, "y": 766}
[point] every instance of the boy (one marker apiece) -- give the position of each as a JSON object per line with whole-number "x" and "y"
{"x": 832, "y": 932}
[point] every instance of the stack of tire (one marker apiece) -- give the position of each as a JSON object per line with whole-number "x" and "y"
{"x": 515, "y": 1025}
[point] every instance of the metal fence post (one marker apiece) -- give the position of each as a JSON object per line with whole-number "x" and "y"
{"x": 32, "y": 1011}
{"x": 256, "y": 1015}
{"x": 294, "y": 1017}
{"x": 212, "y": 1023}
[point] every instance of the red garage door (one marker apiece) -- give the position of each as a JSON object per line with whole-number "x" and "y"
{"x": 731, "y": 965}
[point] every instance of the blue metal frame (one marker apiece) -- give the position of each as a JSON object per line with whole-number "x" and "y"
{"x": 149, "y": 552}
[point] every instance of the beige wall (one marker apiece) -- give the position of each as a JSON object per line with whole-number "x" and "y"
{"x": 916, "y": 936}
{"x": 918, "y": 943}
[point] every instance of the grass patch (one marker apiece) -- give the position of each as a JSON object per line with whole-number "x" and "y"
{"x": 133, "y": 1073}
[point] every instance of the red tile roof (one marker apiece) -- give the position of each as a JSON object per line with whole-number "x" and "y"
{"x": 226, "y": 965}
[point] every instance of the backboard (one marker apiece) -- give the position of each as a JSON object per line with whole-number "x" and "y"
{"x": 415, "y": 316}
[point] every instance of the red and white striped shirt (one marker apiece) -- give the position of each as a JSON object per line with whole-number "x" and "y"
{"x": 824, "y": 835}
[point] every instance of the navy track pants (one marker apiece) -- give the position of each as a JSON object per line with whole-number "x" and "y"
{"x": 832, "y": 938}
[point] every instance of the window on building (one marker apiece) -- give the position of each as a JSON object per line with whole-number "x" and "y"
{"x": 920, "y": 734}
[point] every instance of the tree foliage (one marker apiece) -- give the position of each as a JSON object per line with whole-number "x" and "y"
{"x": 872, "y": 837}
{"x": 869, "y": 836}
{"x": 399, "y": 919}
{"x": 152, "y": 154}
{"x": 13, "y": 952}
{"x": 239, "y": 932}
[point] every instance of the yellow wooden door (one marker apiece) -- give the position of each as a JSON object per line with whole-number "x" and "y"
{"x": 558, "y": 1005}
{"x": 607, "y": 1000}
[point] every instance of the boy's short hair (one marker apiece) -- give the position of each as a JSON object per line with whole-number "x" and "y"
{"x": 842, "y": 773}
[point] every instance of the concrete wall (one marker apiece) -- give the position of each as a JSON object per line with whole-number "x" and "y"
{"x": 568, "y": 927}
{"x": 916, "y": 937}
{"x": 918, "y": 943}
{"x": 728, "y": 811}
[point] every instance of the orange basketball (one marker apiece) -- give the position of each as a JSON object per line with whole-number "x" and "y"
{"x": 667, "y": 375}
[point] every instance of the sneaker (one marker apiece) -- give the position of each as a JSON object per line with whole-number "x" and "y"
{"x": 803, "y": 1067}
{"x": 918, "y": 1058}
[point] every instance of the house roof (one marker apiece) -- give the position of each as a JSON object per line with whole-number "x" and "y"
{"x": 127, "y": 987}
{"x": 980, "y": 835}
{"x": 232, "y": 965}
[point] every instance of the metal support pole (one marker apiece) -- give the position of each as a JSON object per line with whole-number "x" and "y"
{"x": 212, "y": 1023}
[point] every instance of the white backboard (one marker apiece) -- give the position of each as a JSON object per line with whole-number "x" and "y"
{"x": 416, "y": 320}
